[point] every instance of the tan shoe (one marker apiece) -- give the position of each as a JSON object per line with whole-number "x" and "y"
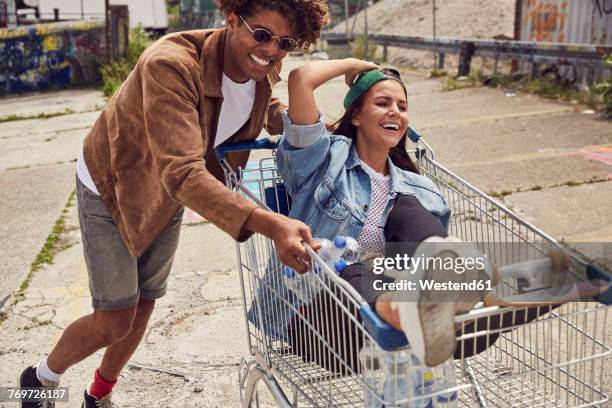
{"x": 427, "y": 315}
{"x": 547, "y": 282}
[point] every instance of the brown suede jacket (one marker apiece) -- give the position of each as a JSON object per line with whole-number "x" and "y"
{"x": 150, "y": 151}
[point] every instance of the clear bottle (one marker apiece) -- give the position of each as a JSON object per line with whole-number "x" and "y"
{"x": 398, "y": 384}
{"x": 331, "y": 251}
{"x": 446, "y": 378}
{"x": 305, "y": 286}
{"x": 424, "y": 382}
{"x": 352, "y": 251}
{"x": 351, "y": 254}
{"x": 370, "y": 357}
{"x": 337, "y": 254}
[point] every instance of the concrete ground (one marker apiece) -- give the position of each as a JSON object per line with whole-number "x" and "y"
{"x": 552, "y": 164}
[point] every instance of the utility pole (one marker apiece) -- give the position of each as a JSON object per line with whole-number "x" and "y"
{"x": 346, "y": 17}
{"x": 434, "y": 37}
{"x": 11, "y": 11}
{"x": 107, "y": 18}
{"x": 82, "y": 12}
{"x": 365, "y": 14}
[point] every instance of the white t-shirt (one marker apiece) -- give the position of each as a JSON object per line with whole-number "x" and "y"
{"x": 236, "y": 109}
{"x": 372, "y": 237}
{"x": 83, "y": 173}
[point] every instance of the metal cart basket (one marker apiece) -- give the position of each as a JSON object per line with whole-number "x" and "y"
{"x": 557, "y": 360}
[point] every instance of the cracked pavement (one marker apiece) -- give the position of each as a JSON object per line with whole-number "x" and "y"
{"x": 191, "y": 351}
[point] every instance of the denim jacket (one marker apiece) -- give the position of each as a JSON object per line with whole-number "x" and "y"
{"x": 330, "y": 191}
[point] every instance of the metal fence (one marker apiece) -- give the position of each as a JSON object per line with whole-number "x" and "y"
{"x": 586, "y": 56}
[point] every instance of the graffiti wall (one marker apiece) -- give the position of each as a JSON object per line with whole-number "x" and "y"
{"x": 58, "y": 55}
{"x": 567, "y": 21}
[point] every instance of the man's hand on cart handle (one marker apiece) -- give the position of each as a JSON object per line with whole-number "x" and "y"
{"x": 289, "y": 237}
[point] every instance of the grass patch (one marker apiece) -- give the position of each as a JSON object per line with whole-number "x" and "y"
{"x": 35, "y": 323}
{"x": 551, "y": 86}
{"x": 18, "y": 168}
{"x": 500, "y": 194}
{"x": 605, "y": 90}
{"x": 115, "y": 73}
{"x": 573, "y": 183}
{"x": 437, "y": 73}
{"x": 473, "y": 80}
{"x": 359, "y": 50}
{"x": 13, "y": 117}
{"x": 197, "y": 223}
{"x": 49, "y": 249}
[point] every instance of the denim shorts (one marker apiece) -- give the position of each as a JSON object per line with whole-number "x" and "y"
{"x": 117, "y": 280}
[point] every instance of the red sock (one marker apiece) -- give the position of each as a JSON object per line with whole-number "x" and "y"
{"x": 100, "y": 387}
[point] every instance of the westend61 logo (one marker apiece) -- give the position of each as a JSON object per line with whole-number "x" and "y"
{"x": 404, "y": 262}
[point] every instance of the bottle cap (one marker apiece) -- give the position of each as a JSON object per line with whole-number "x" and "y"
{"x": 340, "y": 241}
{"x": 447, "y": 398}
{"x": 288, "y": 272}
{"x": 340, "y": 265}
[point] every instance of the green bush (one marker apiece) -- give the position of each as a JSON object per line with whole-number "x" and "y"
{"x": 115, "y": 73}
{"x": 605, "y": 89}
{"x": 437, "y": 73}
{"x": 359, "y": 49}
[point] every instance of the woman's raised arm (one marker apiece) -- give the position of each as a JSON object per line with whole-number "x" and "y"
{"x": 305, "y": 79}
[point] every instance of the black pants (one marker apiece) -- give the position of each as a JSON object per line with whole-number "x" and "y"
{"x": 408, "y": 224}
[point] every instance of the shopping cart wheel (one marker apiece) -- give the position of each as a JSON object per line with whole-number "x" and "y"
{"x": 249, "y": 376}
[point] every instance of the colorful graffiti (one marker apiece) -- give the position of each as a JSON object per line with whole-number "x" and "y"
{"x": 56, "y": 55}
{"x": 44, "y": 56}
{"x": 603, "y": 7}
{"x": 547, "y": 20}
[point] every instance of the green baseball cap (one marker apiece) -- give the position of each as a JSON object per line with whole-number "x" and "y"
{"x": 364, "y": 82}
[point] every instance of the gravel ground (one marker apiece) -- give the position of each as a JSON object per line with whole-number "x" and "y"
{"x": 454, "y": 18}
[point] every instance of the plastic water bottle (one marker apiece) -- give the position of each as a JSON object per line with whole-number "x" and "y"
{"x": 337, "y": 254}
{"x": 446, "y": 379}
{"x": 305, "y": 286}
{"x": 372, "y": 373}
{"x": 351, "y": 254}
{"x": 424, "y": 382}
{"x": 398, "y": 384}
{"x": 331, "y": 251}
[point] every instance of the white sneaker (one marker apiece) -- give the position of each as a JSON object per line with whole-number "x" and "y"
{"x": 427, "y": 319}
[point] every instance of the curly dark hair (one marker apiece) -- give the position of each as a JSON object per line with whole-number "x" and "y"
{"x": 306, "y": 17}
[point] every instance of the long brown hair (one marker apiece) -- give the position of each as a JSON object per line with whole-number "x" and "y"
{"x": 344, "y": 126}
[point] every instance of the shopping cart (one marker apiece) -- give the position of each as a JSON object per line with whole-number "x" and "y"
{"x": 557, "y": 360}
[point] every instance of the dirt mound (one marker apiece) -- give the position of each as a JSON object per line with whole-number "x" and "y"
{"x": 454, "y": 18}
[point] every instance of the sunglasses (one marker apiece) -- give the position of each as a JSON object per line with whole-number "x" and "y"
{"x": 262, "y": 36}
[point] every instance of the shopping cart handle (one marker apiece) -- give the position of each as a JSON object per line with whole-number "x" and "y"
{"x": 595, "y": 272}
{"x": 387, "y": 337}
{"x": 413, "y": 135}
{"x": 258, "y": 144}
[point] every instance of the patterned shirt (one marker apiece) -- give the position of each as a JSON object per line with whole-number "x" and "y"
{"x": 372, "y": 238}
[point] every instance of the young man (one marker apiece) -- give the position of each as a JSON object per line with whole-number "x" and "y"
{"x": 150, "y": 153}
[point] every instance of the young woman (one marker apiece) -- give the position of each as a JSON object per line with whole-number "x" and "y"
{"x": 359, "y": 181}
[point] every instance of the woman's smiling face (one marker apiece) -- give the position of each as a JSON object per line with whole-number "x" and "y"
{"x": 383, "y": 118}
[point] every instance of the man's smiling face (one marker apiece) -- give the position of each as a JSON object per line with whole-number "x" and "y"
{"x": 248, "y": 58}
